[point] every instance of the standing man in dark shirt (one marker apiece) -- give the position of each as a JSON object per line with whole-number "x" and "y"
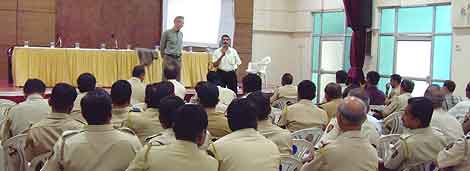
{"x": 171, "y": 44}
{"x": 377, "y": 97}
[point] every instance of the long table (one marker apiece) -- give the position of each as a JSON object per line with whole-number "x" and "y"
{"x": 54, "y": 65}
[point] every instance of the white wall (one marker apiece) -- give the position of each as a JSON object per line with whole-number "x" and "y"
{"x": 283, "y": 28}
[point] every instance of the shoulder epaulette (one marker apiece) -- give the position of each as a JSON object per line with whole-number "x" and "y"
{"x": 147, "y": 139}
{"x": 126, "y": 130}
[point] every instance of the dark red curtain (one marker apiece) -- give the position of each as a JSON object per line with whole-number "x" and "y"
{"x": 359, "y": 18}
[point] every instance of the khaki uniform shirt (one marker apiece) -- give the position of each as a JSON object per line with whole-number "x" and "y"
{"x": 120, "y": 116}
{"x": 138, "y": 90}
{"x": 447, "y": 124}
{"x": 246, "y": 149}
{"x": 95, "y": 148}
{"x": 303, "y": 114}
{"x": 368, "y": 130}
{"x": 44, "y": 134}
{"x": 456, "y": 155}
{"x": 217, "y": 123}
{"x": 25, "y": 114}
{"x": 416, "y": 147}
{"x": 281, "y": 137}
{"x": 287, "y": 91}
{"x": 76, "y": 104}
{"x": 350, "y": 151}
{"x": 397, "y": 104}
{"x": 394, "y": 93}
{"x": 331, "y": 107}
{"x": 178, "y": 156}
{"x": 167, "y": 136}
{"x": 144, "y": 124}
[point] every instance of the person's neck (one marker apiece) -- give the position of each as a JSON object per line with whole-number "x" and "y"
{"x": 61, "y": 111}
{"x": 175, "y": 29}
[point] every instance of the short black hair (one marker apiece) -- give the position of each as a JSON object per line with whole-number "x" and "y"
{"x": 96, "y": 107}
{"x": 450, "y": 85}
{"x": 262, "y": 104}
{"x": 333, "y": 90}
{"x": 306, "y": 90}
{"x": 468, "y": 87}
{"x": 241, "y": 114}
{"x": 32, "y": 86}
{"x": 138, "y": 71}
{"x": 373, "y": 77}
{"x": 121, "y": 92}
{"x": 341, "y": 77}
{"x": 86, "y": 82}
{"x": 213, "y": 77}
{"x": 62, "y": 97}
{"x": 208, "y": 94}
{"x": 225, "y": 35}
{"x": 170, "y": 72}
{"x": 190, "y": 122}
{"x": 251, "y": 83}
{"x": 168, "y": 108}
{"x": 154, "y": 93}
{"x": 421, "y": 108}
{"x": 407, "y": 86}
{"x": 287, "y": 79}
{"x": 396, "y": 77}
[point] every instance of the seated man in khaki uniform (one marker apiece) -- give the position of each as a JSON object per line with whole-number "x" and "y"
{"x": 98, "y": 146}
{"x": 456, "y": 155}
{"x": 190, "y": 124}
{"x": 245, "y": 148}
{"x": 138, "y": 85}
{"x": 333, "y": 96}
{"x": 399, "y": 102}
{"x": 287, "y": 90}
{"x": 121, "y": 96}
{"x": 425, "y": 142}
{"x": 208, "y": 98}
{"x": 32, "y": 110}
{"x": 86, "y": 82}
{"x": 337, "y": 155}
{"x": 43, "y": 135}
{"x": 167, "y": 113}
{"x": 442, "y": 120}
{"x": 395, "y": 81}
{"x": 281, "y": 137}
{"x": 304, "y": 114}
{"x": 368, "y": 130}
{"x": 146, "y": 123}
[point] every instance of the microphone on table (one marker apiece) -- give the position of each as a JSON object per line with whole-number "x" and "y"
{"x": 113, "y": 37}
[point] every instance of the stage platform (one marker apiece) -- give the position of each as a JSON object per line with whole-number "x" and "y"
{"x": 10, "y": 92}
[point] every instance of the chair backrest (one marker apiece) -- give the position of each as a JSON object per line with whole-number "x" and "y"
{"x": 312, "y": 135}
{"x": 424, "y": 166}
{"x": 14, "y": 153}
{"x": 393, "y": 124}
{"x": 300, "y": 148}
{"x": 38, "y": 161}
{"x": 289, "y": 163}
{"x": 385, "y": 143}
{"x": 5, "y": 106}
{"x": 275, "y": 115}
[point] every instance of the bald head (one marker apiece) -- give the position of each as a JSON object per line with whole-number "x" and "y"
{"x": 353, "y": 112}
{"x": 332, "y": 91}
{"x": 436, "y": 95}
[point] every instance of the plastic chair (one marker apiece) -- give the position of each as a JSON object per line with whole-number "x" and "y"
{"x": 425, "y": 166}
{"x": 275, "y": 115}
{"x": 312, "y": 135}
{"x": 393, "y": 124}
{"x": 289, "y": 163}
{"x": 38, "y": 161}
{"x": 300, "y": 148}
{"x": 14, "y": 153}
{"x": 385, "y": 143}
{"x": 283, "y": 102}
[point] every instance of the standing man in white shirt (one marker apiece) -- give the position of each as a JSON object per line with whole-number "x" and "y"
{"x": 226, "y": 60}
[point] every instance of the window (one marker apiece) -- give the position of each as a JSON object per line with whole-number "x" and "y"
{"x": 330, "y": 48}
{"x": 415, "y": 42}
{"x": 202, "y": 27}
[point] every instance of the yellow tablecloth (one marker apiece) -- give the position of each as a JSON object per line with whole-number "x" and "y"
{"x": 54, "y": 65}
